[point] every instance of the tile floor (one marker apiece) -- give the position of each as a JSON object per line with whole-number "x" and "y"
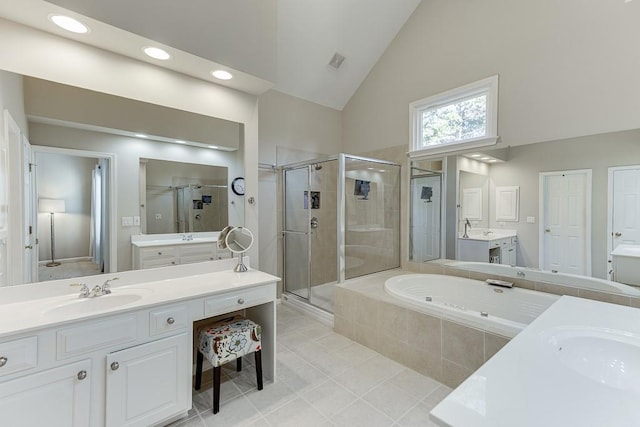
{"x": 324, "y": 379}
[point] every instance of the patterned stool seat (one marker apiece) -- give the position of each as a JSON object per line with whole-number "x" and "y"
{"x": 224, "y": 341}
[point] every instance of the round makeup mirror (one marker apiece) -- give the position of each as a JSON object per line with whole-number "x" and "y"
{"x": 238, "y": 240}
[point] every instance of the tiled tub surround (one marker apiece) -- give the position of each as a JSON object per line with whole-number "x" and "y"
{"x": 443, "y": 349}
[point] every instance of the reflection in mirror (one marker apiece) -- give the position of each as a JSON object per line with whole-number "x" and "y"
{"x": 182, "y": 197}
{"x": 76, "y": 121}
{"x": 426, "y": 210}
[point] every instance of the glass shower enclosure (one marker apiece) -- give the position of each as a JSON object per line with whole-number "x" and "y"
{"x": 341, "y": 219}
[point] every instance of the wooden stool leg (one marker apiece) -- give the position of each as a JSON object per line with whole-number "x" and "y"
{"x": 258, "y": 356}
{"x": 239, "y": 364}
{"x": 199, "y": 360}
{"x": 216, "y": 389}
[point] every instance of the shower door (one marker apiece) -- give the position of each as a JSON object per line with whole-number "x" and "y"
{"x": 296, "y": 231}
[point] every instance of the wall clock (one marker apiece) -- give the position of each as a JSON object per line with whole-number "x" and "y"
{"x": 237, "y": 186}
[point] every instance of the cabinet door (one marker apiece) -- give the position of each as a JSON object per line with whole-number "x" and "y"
{"x": 149, "y": 383}
{"x": 52, "y": 398}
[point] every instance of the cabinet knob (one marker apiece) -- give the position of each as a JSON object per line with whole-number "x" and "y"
{"x": 82, "y": 375}
{"x": 3, "y": 361}
{"x": 241, "y": 301}
{"x": 115, "y": 366}
{"x": 173, "y": 262}
{"x": 159, "y": 253}
{"x": 171, "y": 320}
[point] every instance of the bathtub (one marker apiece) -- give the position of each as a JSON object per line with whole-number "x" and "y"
{"x": 503, "y": 311}
{"x": 565, "y": 279}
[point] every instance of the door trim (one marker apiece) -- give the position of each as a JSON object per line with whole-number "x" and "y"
{"x": 541, "y": 204}
{"x": 610, "y": 172}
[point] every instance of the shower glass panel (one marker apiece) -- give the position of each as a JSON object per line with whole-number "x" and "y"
{"x": 426, "y": 215}
{"x": 297, "y": 268}
{"x": 372, "y": 216}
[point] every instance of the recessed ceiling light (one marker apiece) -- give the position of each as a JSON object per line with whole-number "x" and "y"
{"x": 492, "y": 161}
{"x": 485, "y": 158}
{"x": 215, "y": 147}
{"x": 476, "y": 155}
{"x": 179, "y": 141}
{"x": 222, "y": 75}
{"x": 141, "y": 135}
{"x": 156, "y": 53}
{"x": 69, "y": 24}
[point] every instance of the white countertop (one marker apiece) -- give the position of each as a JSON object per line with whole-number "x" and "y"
{"x": 487, "y": 235}
{"x": 632, "y": 251}
{"x": 23, "y": 314}
{"x": 578, "y": 364}
{"x": 173, "y": 242}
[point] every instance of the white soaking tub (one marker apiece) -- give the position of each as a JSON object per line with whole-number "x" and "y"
{"x": 505, "y": 311}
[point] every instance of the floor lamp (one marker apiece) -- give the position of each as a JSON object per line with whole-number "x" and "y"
{"x": 52, "y": 206}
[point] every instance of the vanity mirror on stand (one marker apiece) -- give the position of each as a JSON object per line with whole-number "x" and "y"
{"x": 238, "y": 240}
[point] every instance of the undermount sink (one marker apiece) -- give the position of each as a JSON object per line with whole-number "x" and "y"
{"x": 72, "y": 305}
{"x": 609, "y": 357}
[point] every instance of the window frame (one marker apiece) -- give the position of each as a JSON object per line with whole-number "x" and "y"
{"x": 488, "y": 86}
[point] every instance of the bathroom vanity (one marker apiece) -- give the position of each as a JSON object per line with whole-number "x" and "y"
{"x": 575, "y": 365}
{"x": 119, "y": 359}
{"x": 497, "y": 247}
{"x": 162, "y": 250}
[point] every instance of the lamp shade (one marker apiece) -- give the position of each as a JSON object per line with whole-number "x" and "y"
{"x": 51, "y": 205}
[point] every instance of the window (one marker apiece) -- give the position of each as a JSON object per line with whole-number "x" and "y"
{"x": 465, "y": 117}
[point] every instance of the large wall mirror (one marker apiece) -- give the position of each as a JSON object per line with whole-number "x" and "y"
{"x": 142, "y": 155}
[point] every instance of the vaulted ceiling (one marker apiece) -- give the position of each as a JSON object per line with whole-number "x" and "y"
{"x": 284, "y": 44}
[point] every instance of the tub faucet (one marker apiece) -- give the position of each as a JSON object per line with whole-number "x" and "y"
{"x": 467, "y": 224}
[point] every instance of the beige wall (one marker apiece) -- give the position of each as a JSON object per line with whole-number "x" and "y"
{"x": 566, "y": 69}
{"x": 288, "y": 125}
{"x": 597, "y": 152}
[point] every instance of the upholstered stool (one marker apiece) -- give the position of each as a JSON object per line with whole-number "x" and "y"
{"x": 224, "y": 341}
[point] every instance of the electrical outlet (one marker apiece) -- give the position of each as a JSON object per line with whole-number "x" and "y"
{"x": 127, "y": 221}
{"x": 531, "y": 219}
{"x": 158, "y": 216}
{"x": 136, "y": 221}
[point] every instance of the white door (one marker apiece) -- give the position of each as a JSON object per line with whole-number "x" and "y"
{"x": 30, "y": 219}
{"x": 15, "y": 247}
{"x": 58, "y": 397}
{"x": 624, "y": 207}
{"x": 565, "y": 212}
{"x": 149, "y": 383}
{"x": 4, "y": 209}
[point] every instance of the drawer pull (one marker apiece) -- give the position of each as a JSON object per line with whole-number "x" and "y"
{"x": 241, "y": 301}
{"x": 3, "y": 361}
{"x": 159, "y": 253}
{"x": 115, "y": 366}
{"x": 173, "y": 262}
{"x": 171, "y": 320}
{"x": 82, "y": 375}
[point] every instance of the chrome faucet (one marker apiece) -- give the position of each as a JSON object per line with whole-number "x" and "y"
{"x": 467, "y": 224}
{"x": 97, "y": 290}
{"x": 187, "y": 237}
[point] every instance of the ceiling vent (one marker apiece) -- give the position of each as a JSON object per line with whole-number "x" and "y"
{"x": 336, "y": 61}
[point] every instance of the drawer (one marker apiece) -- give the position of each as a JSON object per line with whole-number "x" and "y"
{"x": 167, "y": 319}
{"x": 94, "y": 336}
{"x": 196, "y": 258}
{"x": 157, "y": 252}
{"x": 494, "y": 243}
{"x": 18, "y": 355}
{"x": 202, "y": 249}
{"x": 231, "y": 301}
{"x": 161, "y": 262}
{"x": 223, "y": 254}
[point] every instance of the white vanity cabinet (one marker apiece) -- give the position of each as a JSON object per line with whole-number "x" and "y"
{"x": 148, "y": 382}
{"x": 500, "y": 250}
{"x": 56, "y": 397}
{"x": 126, "y": 366}
{"x": 163, "y": 255}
